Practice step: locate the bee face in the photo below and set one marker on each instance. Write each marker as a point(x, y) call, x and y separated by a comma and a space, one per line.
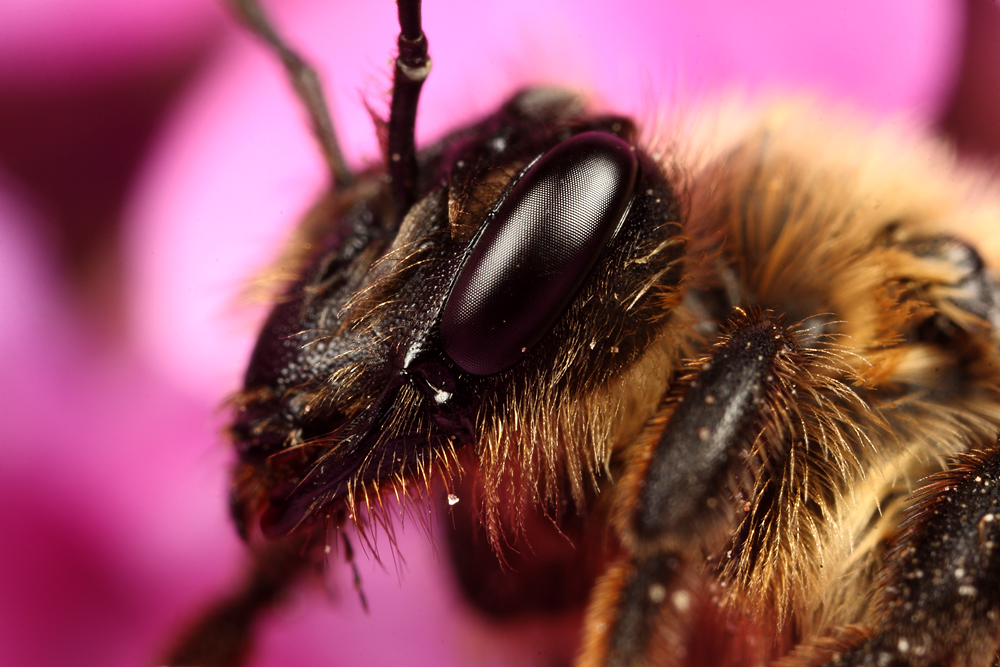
point(716, 366)
point(423, 335)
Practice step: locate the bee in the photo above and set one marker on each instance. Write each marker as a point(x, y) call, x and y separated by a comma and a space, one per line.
point(747, 370)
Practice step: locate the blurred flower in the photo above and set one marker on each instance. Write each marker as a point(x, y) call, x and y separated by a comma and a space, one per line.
point(113, 472)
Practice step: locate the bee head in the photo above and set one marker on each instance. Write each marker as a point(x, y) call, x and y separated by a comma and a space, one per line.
point(529, 274)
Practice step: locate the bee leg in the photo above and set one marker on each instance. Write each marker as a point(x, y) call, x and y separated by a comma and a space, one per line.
point(222, 636)
point(306, 83)
point(939, 598)
point(676, 499)
point(952, 276)
point(545, 568)
point(640, 610)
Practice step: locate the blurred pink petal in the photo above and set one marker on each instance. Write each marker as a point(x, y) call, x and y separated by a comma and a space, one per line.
point(975, 106)
point(57, 42)
point(114, 520)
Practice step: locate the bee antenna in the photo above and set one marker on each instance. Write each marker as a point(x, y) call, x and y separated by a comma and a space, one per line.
point(306, 82)
point(412, 68)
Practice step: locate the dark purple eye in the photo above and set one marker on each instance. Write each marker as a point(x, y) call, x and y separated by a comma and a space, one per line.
point(535, 251)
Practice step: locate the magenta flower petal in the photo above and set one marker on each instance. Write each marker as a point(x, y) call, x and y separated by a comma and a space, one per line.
point(114, 523)
point(58, 42)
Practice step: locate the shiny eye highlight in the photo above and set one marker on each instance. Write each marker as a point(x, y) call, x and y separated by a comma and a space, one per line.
point(535, 250)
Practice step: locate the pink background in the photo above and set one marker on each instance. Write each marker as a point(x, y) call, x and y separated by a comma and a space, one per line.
point(112, 368)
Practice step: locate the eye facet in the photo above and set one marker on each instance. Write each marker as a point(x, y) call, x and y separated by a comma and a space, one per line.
point(536, 248)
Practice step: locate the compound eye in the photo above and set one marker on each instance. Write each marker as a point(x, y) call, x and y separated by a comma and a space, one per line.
point(535, 250)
